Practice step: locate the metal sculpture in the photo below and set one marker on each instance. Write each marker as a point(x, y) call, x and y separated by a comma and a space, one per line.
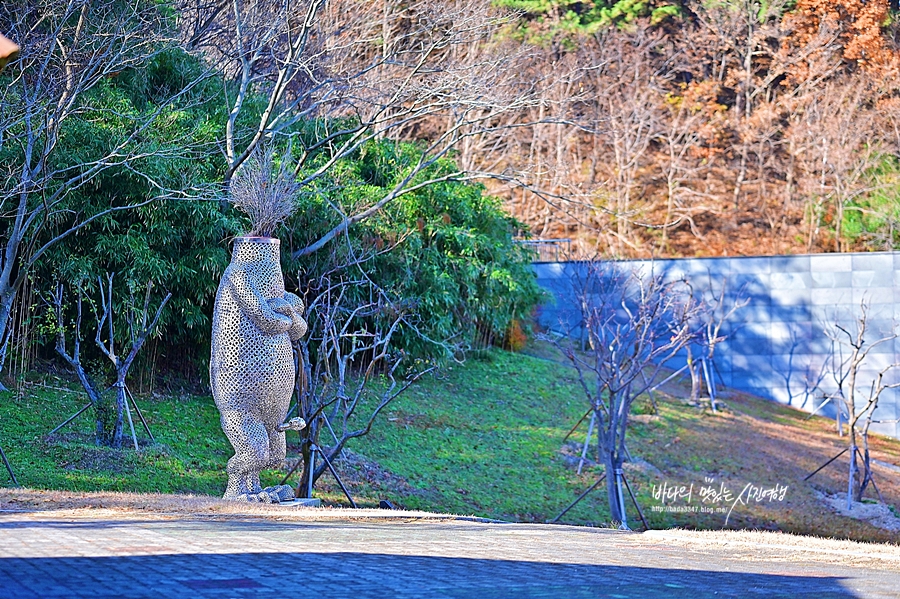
point(252, 368)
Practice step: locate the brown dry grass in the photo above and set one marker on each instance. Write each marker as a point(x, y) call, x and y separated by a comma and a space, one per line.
point(753, 441)
point(770, 546)
point(158, 505)
point(38, 505)
point(761, 442)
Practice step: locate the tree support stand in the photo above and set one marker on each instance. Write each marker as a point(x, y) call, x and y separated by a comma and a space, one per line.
point(9, 469)
point(128, 412)
point(621, 475)
point(710, 385)
point(70, 418)
point(580, 497)
point(313, 449)
point(636, 504)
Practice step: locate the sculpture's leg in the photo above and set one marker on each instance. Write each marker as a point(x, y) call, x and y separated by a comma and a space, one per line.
point(277, 449)
point(277, 453)
point(275, 410)
point(250, 440)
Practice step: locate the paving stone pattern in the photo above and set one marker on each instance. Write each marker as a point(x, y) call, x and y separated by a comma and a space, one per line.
point(777, 347)
point(51, 556)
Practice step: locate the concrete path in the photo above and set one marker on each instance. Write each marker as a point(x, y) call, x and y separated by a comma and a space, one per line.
point(105, 554)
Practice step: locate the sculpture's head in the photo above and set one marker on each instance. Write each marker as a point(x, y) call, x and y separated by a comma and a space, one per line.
point(256, 249)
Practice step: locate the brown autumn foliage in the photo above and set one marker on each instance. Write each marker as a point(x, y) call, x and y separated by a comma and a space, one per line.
point(741, 127)
point(857, 24)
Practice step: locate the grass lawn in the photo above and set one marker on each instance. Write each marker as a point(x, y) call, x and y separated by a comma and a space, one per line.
point(483, 438)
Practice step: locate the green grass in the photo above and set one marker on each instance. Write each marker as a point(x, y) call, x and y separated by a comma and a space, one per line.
point(483, 438)
point(189, 455)
point(480, 438)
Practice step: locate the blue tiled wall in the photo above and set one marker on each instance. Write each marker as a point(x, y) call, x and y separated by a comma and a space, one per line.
point(777, 346)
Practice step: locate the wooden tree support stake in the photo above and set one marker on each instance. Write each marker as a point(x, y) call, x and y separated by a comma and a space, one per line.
point(816, 471)
point(9, 469)
point(580, 497)
point(71, 418)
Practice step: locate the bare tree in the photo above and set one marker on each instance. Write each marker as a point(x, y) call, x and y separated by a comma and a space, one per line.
point(630, 88)
point(68, 48)
point(109, 428)
point(334, 77)
point(755, 26)
point(73, 359)
point(813, 374)
point(634, 322)
point(349, 371)
point(678, 139)
point(852, 347)
point(835, 148)
point(140, 325)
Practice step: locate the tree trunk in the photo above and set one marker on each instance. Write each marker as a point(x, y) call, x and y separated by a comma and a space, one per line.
point(612, 463)
point(108, 413)
point(853, 489)
point(7, 297)
point(866, 475)
point(306, 441)
point(104, 414)
point(613, 490)
point(121, 406)
point(302, 490)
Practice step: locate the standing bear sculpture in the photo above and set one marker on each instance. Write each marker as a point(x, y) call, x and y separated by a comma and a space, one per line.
point(251, 369)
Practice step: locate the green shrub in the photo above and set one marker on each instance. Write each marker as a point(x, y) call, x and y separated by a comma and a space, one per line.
point(444, 252)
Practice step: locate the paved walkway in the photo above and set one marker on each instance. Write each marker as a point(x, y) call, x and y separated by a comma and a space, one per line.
point(105, 554)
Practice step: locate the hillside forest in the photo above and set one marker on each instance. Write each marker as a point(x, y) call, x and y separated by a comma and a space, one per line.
point(706, 128)
point(421, 139)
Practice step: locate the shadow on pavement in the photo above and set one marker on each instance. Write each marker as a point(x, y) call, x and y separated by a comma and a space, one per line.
point(181, 524)
point(364, 576)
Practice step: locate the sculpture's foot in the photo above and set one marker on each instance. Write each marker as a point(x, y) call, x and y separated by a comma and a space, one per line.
point(261, 497)
point(275, 494)
point(294, 424)
point(282, 492)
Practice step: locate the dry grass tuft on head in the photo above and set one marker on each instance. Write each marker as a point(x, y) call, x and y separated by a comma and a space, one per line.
point(265, 192)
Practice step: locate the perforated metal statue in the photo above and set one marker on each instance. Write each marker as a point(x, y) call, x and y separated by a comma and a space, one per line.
point(252, 366)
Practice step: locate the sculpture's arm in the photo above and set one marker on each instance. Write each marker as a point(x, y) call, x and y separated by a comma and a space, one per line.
point(298, 325)
point(254, 305)
point(295, 302)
